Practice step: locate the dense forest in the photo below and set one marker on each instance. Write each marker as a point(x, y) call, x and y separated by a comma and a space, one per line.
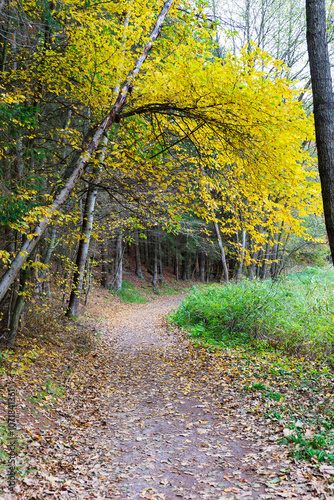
point(203, 162)
point(166, 249)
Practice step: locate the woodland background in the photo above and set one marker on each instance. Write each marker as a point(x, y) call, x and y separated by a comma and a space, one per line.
point(145, 148)
point(202, 174)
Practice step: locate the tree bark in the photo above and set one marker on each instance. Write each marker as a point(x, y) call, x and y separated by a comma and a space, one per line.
point(177, 266)
point(47, 258)
point(254, 265)
point(117, 285)
point(276, 265)
point(139, 272)
point(184, 265)
point(222, 251)
point(105, 274)
point(202, 266)
point(147, 259)
point(323, 106)
point(264, 270)
point(155, 259)
point(86, 232)
point(91, 144)
point(243, 248)
point(18, 308)
point(160, 257)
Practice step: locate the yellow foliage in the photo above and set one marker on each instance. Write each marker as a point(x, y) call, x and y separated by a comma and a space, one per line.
point(199, 133)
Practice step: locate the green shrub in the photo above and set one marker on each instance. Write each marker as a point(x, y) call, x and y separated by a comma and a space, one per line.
point(295, 313)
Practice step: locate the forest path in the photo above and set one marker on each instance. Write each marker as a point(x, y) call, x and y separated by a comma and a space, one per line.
point(165, 434)
point(152, 417)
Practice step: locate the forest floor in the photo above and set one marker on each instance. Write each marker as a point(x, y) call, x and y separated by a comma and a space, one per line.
point(142, 412)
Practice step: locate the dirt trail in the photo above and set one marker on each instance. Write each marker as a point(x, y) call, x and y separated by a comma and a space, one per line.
point(164, 434)
point(160, 430)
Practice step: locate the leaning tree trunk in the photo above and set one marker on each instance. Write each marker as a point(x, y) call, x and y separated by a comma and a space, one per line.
point(86, 232)
point(92, 142)
point(323, 106)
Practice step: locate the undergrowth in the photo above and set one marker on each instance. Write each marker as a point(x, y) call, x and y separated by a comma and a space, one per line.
point(280, 338)
point(295, 314)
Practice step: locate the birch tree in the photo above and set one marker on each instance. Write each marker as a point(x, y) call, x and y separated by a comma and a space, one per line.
point(94, 138)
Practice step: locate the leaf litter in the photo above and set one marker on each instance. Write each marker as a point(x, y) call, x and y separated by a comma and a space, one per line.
point(144, 412)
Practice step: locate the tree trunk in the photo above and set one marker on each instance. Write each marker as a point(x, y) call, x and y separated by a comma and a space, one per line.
point(243, 248)
point(117, 285)
point(47, 258)
point(266, 262)
point(184, 265)
point(202, 266)
point(88, 280)
point(275, 268)
point(105, 278)
point(155, 260)
point(323, 106)
point(86, 231)
point(160, 257)
point(177, 266)
point(253, 266)
point(18, 308)
point(147, 259)
point(113, 259)
point(207, 265)
point(222, 251)
point(90, 145)
point(138, 259)
point(259, 260)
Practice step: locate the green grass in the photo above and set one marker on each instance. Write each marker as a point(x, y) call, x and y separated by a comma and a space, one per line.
point(51, 390)
point(20, 445)
point(320, 445)
point(295, 314)
point(129, 294)
point(3, 442)
point(276, 341)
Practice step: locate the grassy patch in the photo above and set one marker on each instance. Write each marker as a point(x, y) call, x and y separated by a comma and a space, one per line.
point(295, 314)
point(3, 444)
point(20, 444)
point(51, 391)
point(308, 444)
point(274, 342)
point(129, 294)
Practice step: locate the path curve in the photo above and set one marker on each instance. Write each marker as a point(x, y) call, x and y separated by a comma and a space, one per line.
point(160, 430)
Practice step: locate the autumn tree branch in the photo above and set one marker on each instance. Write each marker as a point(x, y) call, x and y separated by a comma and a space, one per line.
point(87, 154)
